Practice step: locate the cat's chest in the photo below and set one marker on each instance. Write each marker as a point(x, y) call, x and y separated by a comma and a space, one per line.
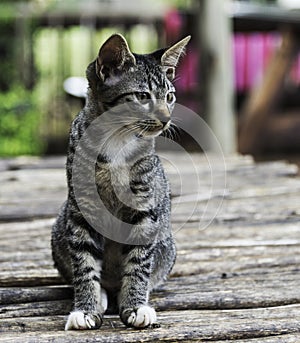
point(111, 177)
point(117, 150)
point(124, 184)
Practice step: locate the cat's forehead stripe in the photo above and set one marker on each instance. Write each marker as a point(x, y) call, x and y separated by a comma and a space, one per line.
point(155, 81)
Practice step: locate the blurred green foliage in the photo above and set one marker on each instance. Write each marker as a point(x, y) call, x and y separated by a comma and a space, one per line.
point(19, 123)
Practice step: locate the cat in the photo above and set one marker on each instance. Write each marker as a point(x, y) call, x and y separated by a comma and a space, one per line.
point(133, 97)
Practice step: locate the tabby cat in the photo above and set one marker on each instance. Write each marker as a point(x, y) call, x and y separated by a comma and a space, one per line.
point(108, 273)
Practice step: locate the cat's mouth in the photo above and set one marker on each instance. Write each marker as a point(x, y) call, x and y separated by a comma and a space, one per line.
point(152, 130)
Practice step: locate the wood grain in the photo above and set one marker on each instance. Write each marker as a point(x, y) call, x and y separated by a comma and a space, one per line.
point(175, 326)
point(236, 278)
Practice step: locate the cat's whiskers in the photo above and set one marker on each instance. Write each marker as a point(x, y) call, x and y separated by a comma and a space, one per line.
point(118, 123)
point(142, 132)
point(176, 79)
point(175, 131)
point(126, 131)
point(172, 132)
point(176, 120)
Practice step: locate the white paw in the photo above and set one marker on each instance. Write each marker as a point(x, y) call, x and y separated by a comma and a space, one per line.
point(142, 317)
point(78, 320)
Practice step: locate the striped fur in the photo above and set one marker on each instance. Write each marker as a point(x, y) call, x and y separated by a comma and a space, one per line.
point(131, 183)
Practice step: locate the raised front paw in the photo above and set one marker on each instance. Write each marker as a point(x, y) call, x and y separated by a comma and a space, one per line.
point(79, 320)
point(139, 317)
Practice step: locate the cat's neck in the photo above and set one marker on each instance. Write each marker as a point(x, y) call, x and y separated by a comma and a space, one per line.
point(121, 151)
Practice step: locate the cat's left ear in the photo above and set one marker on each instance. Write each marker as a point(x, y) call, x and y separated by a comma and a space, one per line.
point(114, 57)
point(171, 56)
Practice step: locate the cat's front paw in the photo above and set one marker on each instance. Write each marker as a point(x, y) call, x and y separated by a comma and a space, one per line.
point(79, 320)
point(139, 317)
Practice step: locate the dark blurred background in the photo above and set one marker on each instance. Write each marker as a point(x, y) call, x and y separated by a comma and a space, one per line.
point(44, 43)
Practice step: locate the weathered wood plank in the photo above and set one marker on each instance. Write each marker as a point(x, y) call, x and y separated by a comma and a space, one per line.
point(236, 292)
point(260, 233)
point(30, 162)
point(211, 291)
point(235, 235)
point(234, 163)
point(175, 326)
point(37, 277)
point(204, 258)
point(15, 295)
point(285, 338)
point(34, 309)
point(213, 254)
point(22, 190)
point(199, 257)
point(11, 256)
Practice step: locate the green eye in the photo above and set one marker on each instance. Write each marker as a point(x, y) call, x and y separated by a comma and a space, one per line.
point(170, 97)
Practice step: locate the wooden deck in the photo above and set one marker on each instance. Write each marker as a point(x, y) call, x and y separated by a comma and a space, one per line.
point(235, 280)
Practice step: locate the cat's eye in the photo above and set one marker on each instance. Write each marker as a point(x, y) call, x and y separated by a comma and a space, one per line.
point(142, 96)
point(170, 98)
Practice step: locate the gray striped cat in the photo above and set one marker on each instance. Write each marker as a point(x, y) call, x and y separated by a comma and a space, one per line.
point(133, 96)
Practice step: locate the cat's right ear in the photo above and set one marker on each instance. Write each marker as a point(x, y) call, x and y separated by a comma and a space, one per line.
point(114, 57)
point(171, 56)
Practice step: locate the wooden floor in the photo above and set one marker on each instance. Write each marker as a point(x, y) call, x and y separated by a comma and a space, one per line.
point(237, 276)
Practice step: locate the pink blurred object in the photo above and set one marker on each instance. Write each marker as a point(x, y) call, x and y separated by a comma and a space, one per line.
point(173, 24)
point(188, 71)
point(251, 55)
point(188, 67)
point(239, 56)
point(255, 59)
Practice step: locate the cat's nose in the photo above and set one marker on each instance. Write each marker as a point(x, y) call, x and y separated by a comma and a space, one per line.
point(163, 115)
point(165, 123)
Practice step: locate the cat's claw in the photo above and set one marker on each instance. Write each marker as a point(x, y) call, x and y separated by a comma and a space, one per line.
point(79, 320)
point(140, 317)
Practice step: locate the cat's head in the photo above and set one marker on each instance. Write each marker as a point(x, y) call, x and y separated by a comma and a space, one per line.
point(142, 84)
